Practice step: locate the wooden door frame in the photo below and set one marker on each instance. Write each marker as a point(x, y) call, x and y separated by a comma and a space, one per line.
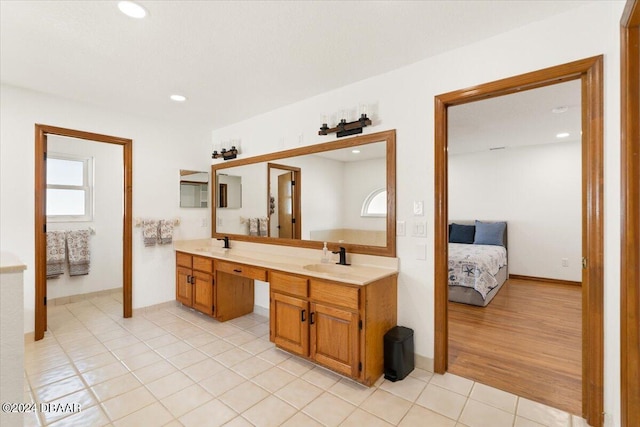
point(41, 132)
point(589, 71)
point(297, 191)
point(630, 215)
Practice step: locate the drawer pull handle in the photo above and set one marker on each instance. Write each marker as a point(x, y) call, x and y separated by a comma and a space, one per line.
point(193, 280)
point(237, 271)
point(311, 322)
point(189, 278)
point(302, 319)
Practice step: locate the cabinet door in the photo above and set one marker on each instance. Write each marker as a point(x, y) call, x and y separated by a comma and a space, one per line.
point(183, 286)
point(335, 338)
point(203, 292)
point(289, 327)
point(234, 296)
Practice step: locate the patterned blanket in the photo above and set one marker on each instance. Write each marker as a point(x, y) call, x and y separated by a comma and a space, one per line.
point(474, 266)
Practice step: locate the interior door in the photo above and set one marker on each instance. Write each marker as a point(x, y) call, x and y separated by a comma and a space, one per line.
point(285, 206)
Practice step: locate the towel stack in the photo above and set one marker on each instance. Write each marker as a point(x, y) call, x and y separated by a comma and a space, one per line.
point(56, 253)
point(79, 255)
point(154, 231)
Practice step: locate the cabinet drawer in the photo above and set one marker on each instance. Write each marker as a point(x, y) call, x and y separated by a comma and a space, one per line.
point(242, 270)
point(183, 259)
point(288, 284)
point(203, 264)
point(333, 293)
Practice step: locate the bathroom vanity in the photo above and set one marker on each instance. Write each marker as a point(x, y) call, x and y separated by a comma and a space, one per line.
point(331, 314)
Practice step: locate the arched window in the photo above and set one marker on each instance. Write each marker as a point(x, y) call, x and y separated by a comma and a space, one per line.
point(375, 204)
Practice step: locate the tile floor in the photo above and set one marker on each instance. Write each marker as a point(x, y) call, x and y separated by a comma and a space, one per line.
point(171, 366)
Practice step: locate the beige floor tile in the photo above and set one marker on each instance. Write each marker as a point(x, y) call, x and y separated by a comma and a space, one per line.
point(88, 351)
point(442, 401)
point(273, 379)
point(270, 412)
point(203, 369)
point(257, 346)
point(421, 374)
point(52, 375)
point(58, 389)
point(238, 422)
point(351, 391)
point(222, 382)
point(141, 360)
point(251, 367)
point(150, 333)
point(201, 339)
point(104, 373)
point(478, 414)
point(259, 330)
point(232, 357)
point(121, 342)
point(299, 393)
point(409, 388)
point(111, 334)
point(274, 355)
point(212, 414)
point(240, 338)
point(243, 396)
point(161, 341)
point(115, 386)
point(387, 406)
point(93, 416)
point(93, 362)
point(419, 416)
point(187, 358)
point(494, 397)
point(176, 348)
point(577, 421)
point(169, 384)
point(66, 406)
point(523, 422)
point(543, 414)
point(329, 409)
point(127, 403)
point(154, 371)
point(130, 350)
point(152, 415)
point(301, 420)
point(359, 418)
point(186, 400)
point(30, 419)
point(453, 383)
point(321, 377)
point(296, 366)
point(216, 347)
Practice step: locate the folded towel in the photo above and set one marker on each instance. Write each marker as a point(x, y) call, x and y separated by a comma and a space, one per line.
point(166, 231)
point(78, 252)
point(253, 226)
point(150, 232)
point(56, 253)
point(263, 226)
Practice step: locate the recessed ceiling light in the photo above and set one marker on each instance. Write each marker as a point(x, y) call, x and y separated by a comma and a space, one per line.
point(131, 9)
point(560, 110)
point(356, 151)
point(562, 135)
point(178, 98)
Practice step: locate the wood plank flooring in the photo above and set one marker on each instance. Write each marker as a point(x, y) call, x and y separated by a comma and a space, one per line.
point(527, 341)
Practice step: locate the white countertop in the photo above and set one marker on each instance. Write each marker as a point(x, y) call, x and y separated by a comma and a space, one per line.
point(307, 262)
point(10, 263)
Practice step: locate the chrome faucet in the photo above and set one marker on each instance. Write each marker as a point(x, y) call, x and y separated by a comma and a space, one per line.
point(226, 242)
point(343, 256)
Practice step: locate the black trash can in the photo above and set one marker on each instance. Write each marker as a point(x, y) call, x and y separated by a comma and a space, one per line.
point(398, 353)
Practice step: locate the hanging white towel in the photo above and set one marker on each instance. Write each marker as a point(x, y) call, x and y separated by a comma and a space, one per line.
point(150, 232)
point(166, 231)
point(253, 226)
point(263, 226)
point(78, 252)
point(56, 253)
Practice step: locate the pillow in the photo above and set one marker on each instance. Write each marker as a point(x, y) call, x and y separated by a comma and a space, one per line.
point(461, 233)
point(489, 233)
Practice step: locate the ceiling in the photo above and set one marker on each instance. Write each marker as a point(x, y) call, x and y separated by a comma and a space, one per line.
point(517, 120)
point(233, 59)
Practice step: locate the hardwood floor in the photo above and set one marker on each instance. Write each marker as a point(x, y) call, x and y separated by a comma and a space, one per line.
point(527, 341)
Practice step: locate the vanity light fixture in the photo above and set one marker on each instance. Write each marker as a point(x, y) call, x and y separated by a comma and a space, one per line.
point(132, 9)
point(232, 153)
point(344, 128)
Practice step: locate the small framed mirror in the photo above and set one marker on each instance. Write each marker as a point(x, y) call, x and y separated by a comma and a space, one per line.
point(194, 189)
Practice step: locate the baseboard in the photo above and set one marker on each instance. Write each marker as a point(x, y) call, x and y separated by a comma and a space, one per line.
point(29, 337)
point(423, 362)
point(545, 280)
point(262, 311)
point(80, 297)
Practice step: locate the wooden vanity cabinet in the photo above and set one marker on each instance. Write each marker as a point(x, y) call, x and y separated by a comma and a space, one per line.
point(194, 282)
point(338, 325)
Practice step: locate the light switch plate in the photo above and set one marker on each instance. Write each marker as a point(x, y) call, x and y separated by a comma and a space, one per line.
point(419, 229)
point(400, 228)
point(418, 207)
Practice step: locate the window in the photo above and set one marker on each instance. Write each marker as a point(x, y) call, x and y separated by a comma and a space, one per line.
point(69, 188)
point(375, 205)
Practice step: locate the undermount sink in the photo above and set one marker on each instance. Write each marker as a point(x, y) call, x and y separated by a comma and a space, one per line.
point(212, 250)
point(329, 268)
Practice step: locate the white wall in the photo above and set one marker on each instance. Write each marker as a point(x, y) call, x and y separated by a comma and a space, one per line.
point(538, 191)
point(160, 150)
point(403, 99)
point(361, 178)
point(106, 244)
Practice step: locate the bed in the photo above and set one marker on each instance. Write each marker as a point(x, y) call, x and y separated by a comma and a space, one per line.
point(477, 261)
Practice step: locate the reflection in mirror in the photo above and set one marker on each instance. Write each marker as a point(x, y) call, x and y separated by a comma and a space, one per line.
point(229, 193)
point(194, 189)
point(315, 194)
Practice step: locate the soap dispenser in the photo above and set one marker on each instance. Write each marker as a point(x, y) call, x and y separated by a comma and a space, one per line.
point(325, 254)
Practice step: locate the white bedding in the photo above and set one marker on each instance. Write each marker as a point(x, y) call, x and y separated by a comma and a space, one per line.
point(474, 266)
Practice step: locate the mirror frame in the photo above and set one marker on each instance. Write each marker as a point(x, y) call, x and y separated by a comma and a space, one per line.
point(386, 136)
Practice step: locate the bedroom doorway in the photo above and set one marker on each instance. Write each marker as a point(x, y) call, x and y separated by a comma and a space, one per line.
point(42, 132)
point(589, 73)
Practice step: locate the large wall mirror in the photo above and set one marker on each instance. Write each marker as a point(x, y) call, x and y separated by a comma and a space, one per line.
point(310, 195)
